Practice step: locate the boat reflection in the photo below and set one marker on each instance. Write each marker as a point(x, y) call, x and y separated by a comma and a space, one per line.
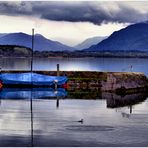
point(33, 93)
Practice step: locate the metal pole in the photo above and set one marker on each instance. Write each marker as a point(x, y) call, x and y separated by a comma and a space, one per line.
point(32, 50)
point(31, 102)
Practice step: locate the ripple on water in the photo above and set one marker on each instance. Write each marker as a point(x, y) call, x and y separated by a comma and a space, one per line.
point(89, 128)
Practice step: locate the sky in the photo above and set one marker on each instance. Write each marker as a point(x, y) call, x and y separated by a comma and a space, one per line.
point(70, 22)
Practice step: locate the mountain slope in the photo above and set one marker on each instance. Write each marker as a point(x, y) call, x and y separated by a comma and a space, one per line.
point(89, 42)
point(131, 38)
point(40, 43)
point(2, 34)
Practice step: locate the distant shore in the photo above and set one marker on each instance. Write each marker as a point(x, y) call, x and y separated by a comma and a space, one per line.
point(21, 51)
point(81, 54)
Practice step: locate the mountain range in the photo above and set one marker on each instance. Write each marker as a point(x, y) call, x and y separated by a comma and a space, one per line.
point(132, 38)
point(40, 42)
point(89, 42)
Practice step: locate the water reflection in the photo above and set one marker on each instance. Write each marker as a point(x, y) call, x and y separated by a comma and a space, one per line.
point(33, 93)
point(15, 63)
point(119, 102)
point(80, 93)
point(48, 117)
point(112, 100)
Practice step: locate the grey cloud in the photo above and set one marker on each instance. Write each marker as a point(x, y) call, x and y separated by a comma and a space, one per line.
point(94, 12)
point(15, 8)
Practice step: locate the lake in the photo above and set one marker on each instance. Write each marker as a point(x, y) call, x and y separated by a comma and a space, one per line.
point(80, 64)
point(48, 117)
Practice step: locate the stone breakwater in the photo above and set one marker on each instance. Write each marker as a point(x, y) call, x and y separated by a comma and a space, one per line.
point(130, 82)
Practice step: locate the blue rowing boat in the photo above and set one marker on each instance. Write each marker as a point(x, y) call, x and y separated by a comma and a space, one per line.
point(30, 78)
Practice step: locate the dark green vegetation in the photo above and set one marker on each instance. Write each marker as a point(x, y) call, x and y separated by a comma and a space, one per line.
point(17, 51)
point(14, 50)
point(81, 54)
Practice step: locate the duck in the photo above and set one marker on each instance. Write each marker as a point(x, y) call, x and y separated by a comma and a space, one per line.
point(81, 121)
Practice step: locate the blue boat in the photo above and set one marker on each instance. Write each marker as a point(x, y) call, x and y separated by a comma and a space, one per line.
point(35, 93)
point(30, 78)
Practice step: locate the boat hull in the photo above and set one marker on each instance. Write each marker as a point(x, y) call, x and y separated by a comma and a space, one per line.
point(31, 79)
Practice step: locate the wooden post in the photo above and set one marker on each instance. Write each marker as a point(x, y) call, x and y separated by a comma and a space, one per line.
point(58, 74)
point(58, 70)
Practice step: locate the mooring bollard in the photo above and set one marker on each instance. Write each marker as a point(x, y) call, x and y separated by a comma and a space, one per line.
point(56, 84)
point(58, 69)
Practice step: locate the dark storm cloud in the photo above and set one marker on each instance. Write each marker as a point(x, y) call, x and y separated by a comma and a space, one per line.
point(94, 12)
point(14, 8)
point(75, 13)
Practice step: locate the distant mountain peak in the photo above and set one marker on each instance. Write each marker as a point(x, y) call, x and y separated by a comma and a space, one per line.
point(20, 33)
point(131, 38)
point(89, 42)
point(37, 34)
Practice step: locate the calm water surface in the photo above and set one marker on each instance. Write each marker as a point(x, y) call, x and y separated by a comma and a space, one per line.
point(50, 118)
point(81, 64)
point(47, 117)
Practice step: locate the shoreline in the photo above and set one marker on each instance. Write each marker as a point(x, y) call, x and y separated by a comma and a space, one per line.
point(80, 54)
point(120, 57)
